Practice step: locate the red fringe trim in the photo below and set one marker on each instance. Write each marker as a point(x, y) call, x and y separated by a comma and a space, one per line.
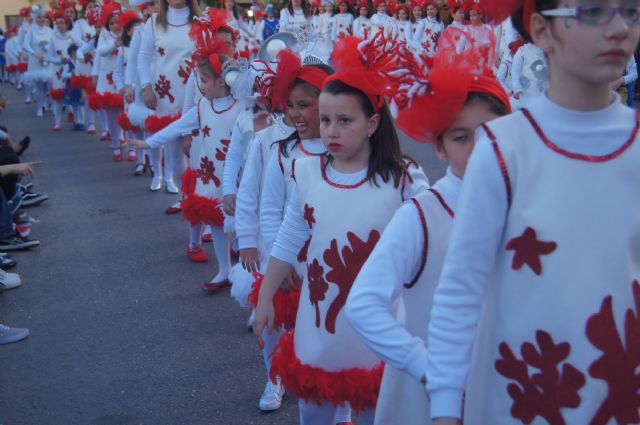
point(105, 100)
point(56, 94)
point(155, 123)
point(199, 209)
point(360, 387)
point(84, 82)
point(285, 304)
point(22, 67)
point(125, 124)
point(189, 178)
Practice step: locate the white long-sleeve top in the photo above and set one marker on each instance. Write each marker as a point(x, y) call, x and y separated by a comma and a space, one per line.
point(476, 237)
point(26, 45)
point(185, 124)
point(250, 190)
point(294, 231)
point(241, 135)
point(359, 26)
point(631, 73)
point(22, 34)
point(190, 92)
point(343, 23)
point(175, 17)
point(106, 43)
point(274, 195)
point(82, 32)
point(53, 56)
point(293, 22)
point(395, 260)
point(119, 69)
point(131, 71)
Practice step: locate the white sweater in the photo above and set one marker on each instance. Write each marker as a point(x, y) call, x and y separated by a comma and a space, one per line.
point(476, 235)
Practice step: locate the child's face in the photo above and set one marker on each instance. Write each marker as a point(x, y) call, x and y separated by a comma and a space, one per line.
point(61, 25)
point(114, 27)
point(432, 12)
point(402, 15)
point(459, 15)
point(41, 20)
point(382, 7)
point(458, 140)
point(89, 8)
point(210, 85)
point(417, 12)
point(327, 8)
point(343, 7)
point(344, 127)
point(70, 13)
point(302, 112)
point(475, 17)
point(590, 54)
point(364, 11)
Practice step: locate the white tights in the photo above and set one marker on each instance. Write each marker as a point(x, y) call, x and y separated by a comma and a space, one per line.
point(195, 233)
point(40, 94)
point(328, 414)
point(57, 112)
point(174, 162)
point(221, 249)
point(114, 128)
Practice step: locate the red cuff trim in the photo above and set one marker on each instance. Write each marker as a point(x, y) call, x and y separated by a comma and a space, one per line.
point(359, 387)
point(285, 304)
point(198, 209)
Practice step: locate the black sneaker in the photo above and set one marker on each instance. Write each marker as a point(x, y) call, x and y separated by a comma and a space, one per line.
point(24, 144)
point(7, 263)
point(17, 243)
point(32, 199)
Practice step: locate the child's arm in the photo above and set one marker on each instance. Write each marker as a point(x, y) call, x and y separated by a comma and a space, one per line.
point(183, 125)
point(118, 71)
point(105, 46)
point(415, 182)
point(394, 261)
point(240, 137)
point(272, 202)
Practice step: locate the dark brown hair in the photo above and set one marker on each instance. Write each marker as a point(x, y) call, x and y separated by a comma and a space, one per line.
point(303, 5)
point(194, 10)
point(518, 19)
point(126, 38)
point(386, 160)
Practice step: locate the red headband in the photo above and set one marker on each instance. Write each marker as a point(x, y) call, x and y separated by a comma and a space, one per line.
point(289, 69)
point(489, 85)
point(313, 75)
point(357, 80)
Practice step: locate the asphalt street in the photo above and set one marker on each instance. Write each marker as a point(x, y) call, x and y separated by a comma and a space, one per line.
point(121, 333)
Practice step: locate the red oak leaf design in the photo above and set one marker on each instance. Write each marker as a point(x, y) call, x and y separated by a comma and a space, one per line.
point(88, 58)
point(185, 70)
point(161, 51)
point(221, 154)
point(302, 255)
point(528, 250)
point(308, 215)
point(206, 131)
point(544, 393)
point(163, 88)
point(344, 270)
point(318, 287)
point(619, 364)
point(207, 172)
point(110, 78)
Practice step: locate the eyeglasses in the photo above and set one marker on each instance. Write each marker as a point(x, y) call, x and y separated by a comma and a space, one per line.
point(597, 15)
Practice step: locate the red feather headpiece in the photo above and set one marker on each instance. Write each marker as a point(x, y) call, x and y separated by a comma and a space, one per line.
point(127, 17)
point(66, 4)
point(429, 98)
point(422, 4)
point(25, 11)
point(212, 20)
point(363, 3)
point(210, 47)
point(109, 9)
point(497, 11)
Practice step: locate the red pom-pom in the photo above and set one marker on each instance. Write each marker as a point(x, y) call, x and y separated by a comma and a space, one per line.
point(359, 387)
point(105, 100)
point(10, 68)
point(125, 124)
point(22, 67)
point(127, 17)
point(84, 82)
point(199, 209)
point(56, 94)
point(211, 20)
point(155, 123)
point(189, 179)
point(285, 304)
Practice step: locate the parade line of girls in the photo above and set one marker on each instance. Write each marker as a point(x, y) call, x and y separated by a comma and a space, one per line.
point(507, 292)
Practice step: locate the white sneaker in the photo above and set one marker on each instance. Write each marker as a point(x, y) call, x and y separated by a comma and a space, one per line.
point(9, 280)
point(170, 186)
point(271, 398)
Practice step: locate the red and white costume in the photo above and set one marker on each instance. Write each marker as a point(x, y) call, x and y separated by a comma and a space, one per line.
point(83, 34)
point(428, 34)
point(343, 25)
point(545, 293)
point(57, 53)
point(323, 360)
point(361, 27)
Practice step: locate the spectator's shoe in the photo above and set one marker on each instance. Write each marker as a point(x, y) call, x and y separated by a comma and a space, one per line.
point(133, 156)
point(271, 398)
point(7, 263)
point(23, 230)
point(9, 335)
point(91, 129)
point(197, 254)
point(24, 144)
point(17, 243)
point(9, 280)
point(140, 169)
point(28, 187)
point(117, 157)
point(173, 209)
point(39, 113)
point(32, 199)
point(212, 287)
point(56, 127)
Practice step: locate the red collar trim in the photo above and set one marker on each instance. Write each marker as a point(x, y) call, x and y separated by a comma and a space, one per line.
point(323, 168)
point(224, 110)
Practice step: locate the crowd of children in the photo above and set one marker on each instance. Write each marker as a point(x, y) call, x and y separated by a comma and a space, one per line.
point(506, 292)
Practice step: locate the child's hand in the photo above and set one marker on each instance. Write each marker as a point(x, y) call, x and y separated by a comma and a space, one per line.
point(150, 100)
point(250, 260)
point(24, 169)
point(138, 144)
point(229, 205)
point(129, 95)
point(292, 282)
point(264, 317)
point(186, 145)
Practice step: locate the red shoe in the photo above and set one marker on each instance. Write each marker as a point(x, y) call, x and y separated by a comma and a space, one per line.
point(23, 230)
point(56, 128)
point(117, 157)
point(207, 237)
point(104, 137)
point(173, 210)
point(70, 117)
point(91, 129)
point(216, 286)
point(197, 255)
point(133, 156)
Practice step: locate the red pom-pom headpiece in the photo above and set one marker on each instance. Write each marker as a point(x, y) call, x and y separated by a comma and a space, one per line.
point(290, 69)
point(212, 20)
point(209, 47)
point(25, 11)
point(376, 3)
point(65, 4)
point(127, 17)
point(361, 64)
point(363, 3)
point(429, 98)
point(109, 9)
point(422, 4)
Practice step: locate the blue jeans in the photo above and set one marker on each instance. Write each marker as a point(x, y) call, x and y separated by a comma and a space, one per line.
point(630, 88)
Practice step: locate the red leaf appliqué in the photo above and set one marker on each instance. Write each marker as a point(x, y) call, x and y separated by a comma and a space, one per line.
point(308, 215)
point(302, 255)
point(545, 393)
point(161, 51)
point(619, 364)
point(110, 78)
point(344, 270)
point(185, 70)
point(207, 172)
point(528, 250)
point(163, 88)
point(318, 287)
point(221, 154)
